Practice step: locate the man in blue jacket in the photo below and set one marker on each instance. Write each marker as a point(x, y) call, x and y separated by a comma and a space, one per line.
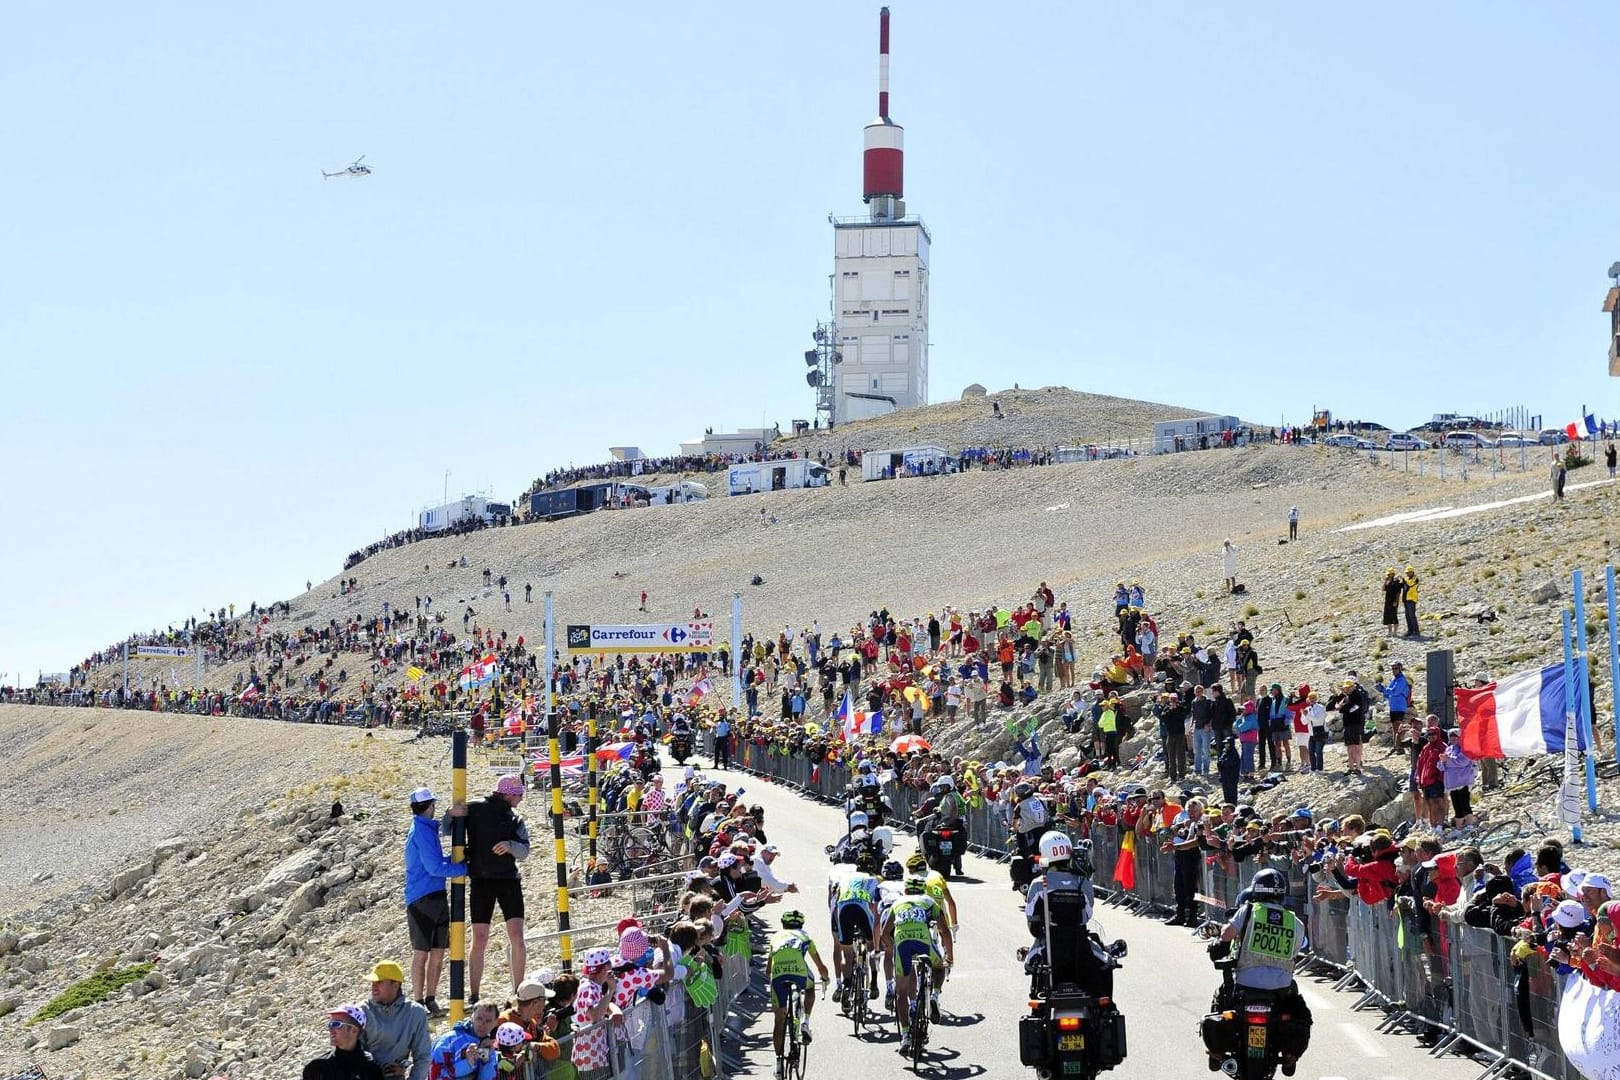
point(1398, 692)
point(427, 908)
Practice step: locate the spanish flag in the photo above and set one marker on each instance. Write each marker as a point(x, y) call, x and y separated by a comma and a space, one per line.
point(1125, 866)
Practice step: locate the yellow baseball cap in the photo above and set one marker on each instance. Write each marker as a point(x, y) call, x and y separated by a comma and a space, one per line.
point(386, 971)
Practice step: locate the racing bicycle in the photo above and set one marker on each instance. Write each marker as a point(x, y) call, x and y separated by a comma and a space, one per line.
point(920, 1001)
point(795, 1048)
point(858, 976)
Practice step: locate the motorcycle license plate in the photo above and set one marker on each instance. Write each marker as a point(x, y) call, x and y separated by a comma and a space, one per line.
point(1071, 1042)
point(945, 847)
point(1257, 1036)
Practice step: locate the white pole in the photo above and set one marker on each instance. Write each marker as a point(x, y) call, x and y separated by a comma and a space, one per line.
point(126, 667)
point(736, 651)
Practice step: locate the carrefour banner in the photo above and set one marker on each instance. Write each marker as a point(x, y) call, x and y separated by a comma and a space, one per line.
point(162, 650)
point(646, 638)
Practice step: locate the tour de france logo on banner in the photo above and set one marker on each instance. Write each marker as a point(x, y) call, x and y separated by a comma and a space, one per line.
point(579, 637)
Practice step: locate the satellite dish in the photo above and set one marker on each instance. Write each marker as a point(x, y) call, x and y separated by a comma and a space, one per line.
point(820, 336)
point(838, 358)
point(813, 378)
point(810, 357)
point(1614, 271)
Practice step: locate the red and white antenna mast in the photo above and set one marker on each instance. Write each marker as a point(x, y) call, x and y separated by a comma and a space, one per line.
point(884, 171)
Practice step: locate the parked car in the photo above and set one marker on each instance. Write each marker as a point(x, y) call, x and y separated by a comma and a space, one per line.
point(1467, 440)
point(1553, 436)
point(1514, 439)
point(1408, 442)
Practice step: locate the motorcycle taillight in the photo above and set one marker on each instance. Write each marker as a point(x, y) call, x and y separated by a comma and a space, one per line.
point(1257, 1018)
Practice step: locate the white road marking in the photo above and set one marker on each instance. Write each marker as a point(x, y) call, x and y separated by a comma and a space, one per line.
point(1367, 1044)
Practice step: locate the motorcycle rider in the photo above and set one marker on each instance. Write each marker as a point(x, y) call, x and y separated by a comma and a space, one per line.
point(1269, 937)
point(857, 841)
point(866, 795)
point(948, 810)
point(1078, 959)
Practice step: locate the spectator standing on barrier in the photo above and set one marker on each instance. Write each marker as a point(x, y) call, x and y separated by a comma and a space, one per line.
point(347, 1060)
point(497, 840)
point(427, 908)
point(396, 1031)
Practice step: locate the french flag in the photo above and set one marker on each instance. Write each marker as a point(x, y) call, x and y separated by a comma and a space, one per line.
point(1519, 716)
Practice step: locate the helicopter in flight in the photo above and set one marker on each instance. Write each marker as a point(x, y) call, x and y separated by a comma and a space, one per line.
point(354, 169)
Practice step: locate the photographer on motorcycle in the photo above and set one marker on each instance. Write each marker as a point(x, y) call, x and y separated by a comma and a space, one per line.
point(1079, 960)
point(1268, 939)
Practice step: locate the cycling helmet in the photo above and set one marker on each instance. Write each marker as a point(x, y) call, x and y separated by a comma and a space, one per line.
point(1268, 885)
point(793, 920)
point(917, 863)
point(510, 1035)
point(1056, 848)
point(857, 820)
point(893, 871)
point(915, 886)
point(1023, 789)
point(1080, 859)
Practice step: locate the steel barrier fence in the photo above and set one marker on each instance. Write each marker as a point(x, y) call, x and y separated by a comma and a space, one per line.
point(1458, 982)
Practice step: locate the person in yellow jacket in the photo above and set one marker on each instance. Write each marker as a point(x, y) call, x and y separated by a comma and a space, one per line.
point(1108, 728)
point(1409, 599)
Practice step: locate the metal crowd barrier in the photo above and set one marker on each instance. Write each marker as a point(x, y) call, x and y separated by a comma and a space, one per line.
point(1458, 981)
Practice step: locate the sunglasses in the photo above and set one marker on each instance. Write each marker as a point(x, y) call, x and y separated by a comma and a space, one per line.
point(334, 1025)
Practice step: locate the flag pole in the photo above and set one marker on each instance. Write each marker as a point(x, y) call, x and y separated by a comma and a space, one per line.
point(1574, 820)
point(1583, 703)
point(1614, 661)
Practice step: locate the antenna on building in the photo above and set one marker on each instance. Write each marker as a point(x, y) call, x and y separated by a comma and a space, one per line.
point(884, 162)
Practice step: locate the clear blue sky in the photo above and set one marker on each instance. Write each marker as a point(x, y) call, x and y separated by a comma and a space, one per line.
point(603, 224)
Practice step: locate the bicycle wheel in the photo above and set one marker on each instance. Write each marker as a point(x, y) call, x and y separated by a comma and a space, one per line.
point(919, 1015)
point(798, 1049)
point(640, 849)
point(855, 992)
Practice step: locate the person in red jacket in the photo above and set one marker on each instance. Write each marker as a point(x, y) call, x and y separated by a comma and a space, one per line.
point(1430, 779)
point(1377, 878)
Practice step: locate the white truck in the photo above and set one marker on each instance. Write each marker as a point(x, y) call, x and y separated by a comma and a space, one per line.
point(683, 492)
point(756, 476)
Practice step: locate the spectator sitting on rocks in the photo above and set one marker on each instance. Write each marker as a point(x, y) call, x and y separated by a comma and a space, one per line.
point(346, 1061)
point(396, 1029)
point(467, 1050)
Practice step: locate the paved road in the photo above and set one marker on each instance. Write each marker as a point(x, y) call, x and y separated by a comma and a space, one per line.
point(1163, 990)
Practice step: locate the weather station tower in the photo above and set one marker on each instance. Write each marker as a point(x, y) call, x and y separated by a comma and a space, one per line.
point(880, 280)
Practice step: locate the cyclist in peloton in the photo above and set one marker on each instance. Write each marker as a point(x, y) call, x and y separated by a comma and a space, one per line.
point(890, 890)
point(935, 884)
point(852, 896)
point(786, 968)
point(908, 932)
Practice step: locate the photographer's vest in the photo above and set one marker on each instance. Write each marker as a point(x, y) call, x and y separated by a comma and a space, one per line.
point(1270, 935)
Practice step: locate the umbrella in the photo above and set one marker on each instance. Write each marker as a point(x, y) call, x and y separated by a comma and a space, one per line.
point(914, 693)
point(906, 744)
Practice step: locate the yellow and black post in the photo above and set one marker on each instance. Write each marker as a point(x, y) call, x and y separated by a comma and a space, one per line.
point(458, 886)
point(558, 825)
point(591, 767)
